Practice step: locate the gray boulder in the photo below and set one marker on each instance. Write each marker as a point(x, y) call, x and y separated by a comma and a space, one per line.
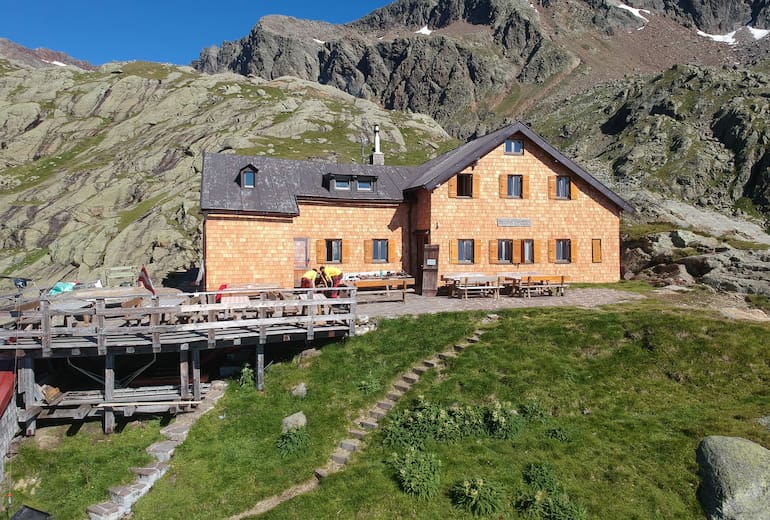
point(296, 420)
point(735, 476)
point(299, 391)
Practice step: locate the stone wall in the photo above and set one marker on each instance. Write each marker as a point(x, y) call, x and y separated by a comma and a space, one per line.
point(586, 217)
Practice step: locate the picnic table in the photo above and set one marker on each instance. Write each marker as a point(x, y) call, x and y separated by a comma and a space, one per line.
point(461, 285)
point(539, 285)
point(383, 288)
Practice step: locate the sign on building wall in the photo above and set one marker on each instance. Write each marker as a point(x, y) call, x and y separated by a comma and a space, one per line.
point(514, 222)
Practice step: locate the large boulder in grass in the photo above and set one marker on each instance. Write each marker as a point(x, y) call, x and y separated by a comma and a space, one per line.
point(735, 476)
point(297, 420)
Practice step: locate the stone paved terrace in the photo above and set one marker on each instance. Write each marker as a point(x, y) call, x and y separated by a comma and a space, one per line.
point(416, 304)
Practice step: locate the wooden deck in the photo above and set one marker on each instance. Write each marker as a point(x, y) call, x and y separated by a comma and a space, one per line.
point(110, 326)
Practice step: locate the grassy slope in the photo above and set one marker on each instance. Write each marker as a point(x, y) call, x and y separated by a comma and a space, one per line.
point(653, 382)
point(633, 388)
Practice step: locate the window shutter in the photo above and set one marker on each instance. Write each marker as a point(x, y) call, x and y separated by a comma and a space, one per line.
point(476, 189)
point(573, 191)
point(572, 251)
point(493, 252)
point(453, 251)
point(453, 187)
point(345, 252)
point(596, 250)
point(525, 186)
point(320, 251)
point(368, 251)
point(536, 251)
point(551, 187)
point(477, 251)
point(518, 245)
point(552, 251)
point(503, 186)
point(392, 251)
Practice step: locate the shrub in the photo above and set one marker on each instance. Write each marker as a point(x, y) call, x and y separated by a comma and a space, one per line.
point(293, 441)
point(558, 433)
point(478, 496)
point(370, 385)
point(543, 497)
point(502, 421)
point(417, 473)
point(533, 411)
point(247, 379)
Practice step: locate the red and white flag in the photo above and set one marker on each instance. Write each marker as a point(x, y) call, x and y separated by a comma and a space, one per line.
point(144, 280)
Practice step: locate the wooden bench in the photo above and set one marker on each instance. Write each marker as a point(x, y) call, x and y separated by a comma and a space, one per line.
point(539, 285)
point(478, 285)
point(383, 289)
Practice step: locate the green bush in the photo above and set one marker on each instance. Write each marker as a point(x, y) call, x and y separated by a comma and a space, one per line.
point(478, 496)
point(533, 411)
point(543, 497)
point(502, 421)
point(293, 441)
point(247, 379)
point(417, 472)
point(558, 433)
point(370, 385)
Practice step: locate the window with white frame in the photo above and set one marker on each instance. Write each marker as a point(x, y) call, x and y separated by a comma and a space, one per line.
point(562, 187)
point(563, 250)
point(333, 250)
point(248, 178)
point(514, 186)
point(514, 146)
point(379, 250)
point(528, 251)
point(341, 183)
point(465, 251)
point(364, 184)
point(504, 251)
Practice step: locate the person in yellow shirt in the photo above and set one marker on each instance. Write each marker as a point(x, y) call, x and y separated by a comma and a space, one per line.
point(332, 276)
point(309, 278)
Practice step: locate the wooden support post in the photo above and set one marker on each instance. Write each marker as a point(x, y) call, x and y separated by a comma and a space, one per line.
point(184, 374)
point(262, 316)
point(260, 367)
point(154, 322)
point(101, 337)
point(196, 370)
point(311, 310)
point(212, 317)
point(27, 390)
point(45, 324)
point(109, 388)
point(352, 312)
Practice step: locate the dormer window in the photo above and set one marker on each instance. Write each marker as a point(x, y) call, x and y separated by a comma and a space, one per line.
point(514, 147)
point(341, 183)
point(364, 184)
point(248, 178)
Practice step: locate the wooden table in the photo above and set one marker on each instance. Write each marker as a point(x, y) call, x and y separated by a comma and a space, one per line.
point(385, 288)
point(461, 286)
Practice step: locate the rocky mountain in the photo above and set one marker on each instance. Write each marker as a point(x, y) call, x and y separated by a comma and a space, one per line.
point(101, 168)
point(39, 58)
point(473, 63)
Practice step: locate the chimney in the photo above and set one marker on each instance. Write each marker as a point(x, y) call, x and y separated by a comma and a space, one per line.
point(378, 157)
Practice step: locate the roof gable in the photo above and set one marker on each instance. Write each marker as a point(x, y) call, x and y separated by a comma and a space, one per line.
point(439, 170)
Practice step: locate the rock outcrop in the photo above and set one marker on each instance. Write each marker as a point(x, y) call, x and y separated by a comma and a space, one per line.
point(102, 168)
point(735, 476)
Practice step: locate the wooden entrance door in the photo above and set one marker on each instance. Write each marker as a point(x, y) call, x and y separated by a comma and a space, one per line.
point(301, 258)
point(430, 270)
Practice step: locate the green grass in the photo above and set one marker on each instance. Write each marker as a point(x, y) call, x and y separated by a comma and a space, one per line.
point(635, 230)
point(631, 391)
point(148, 70)
point(227, 465)
point(746, 245)
point(78, 471)
point(617, 400)
point(758, 301)
point(30, 258)
point(130, 216)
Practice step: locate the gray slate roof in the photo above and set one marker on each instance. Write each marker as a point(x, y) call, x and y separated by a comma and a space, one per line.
point(280, 182)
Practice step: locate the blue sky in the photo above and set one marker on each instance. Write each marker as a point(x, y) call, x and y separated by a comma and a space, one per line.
point(162, 30)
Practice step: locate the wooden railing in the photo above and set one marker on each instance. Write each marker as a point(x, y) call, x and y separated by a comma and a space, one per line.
point(152, 317)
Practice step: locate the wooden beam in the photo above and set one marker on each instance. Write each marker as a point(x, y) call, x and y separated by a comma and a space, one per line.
point(196, 370)
point(109, 388)
point(184, 374)
point(27, 389)
point(260, 367)
point(101, 338)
